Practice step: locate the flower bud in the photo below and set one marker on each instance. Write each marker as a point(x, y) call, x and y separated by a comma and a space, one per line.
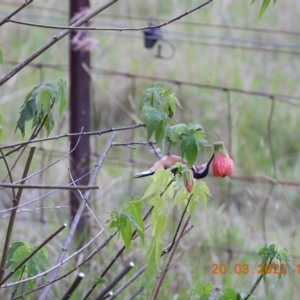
point(222, 163)
point(188, 179)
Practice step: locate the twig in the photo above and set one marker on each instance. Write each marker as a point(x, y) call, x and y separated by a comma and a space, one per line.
point(112, 29)
point(16, 289)
point(6, 19)
point(50, 165)
point(61, 263)
point(214, 294)
point(49, 187)
point(137, 293)
point(98, 132)
point(164, 273)
point(54, 40)
point(33, 253)
point(254, 287)
point(142, 270)
point(115, 281)
point(13, 216)
point(78, 214)
point(100, 247)
point(42, 197)
point(134, 233)
point(133, 143)
point(73, 287)
point(179, 224)
point(9, 174)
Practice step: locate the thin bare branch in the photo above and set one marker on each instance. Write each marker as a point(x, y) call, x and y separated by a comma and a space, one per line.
point(98, 132)
point(33, 253)
point(54, 40)
point(78, 214)
point(167, 267)
point(115, 281)
point(73, 287)
point(9, 174)
point(7, 19)
point(13, 216)
point(57, 266)
point(90, 256)
point(49, 187)
point(214, 294)
point(142, 270)
point(109, 28)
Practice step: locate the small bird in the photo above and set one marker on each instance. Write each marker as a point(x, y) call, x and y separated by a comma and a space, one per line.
point(166, 162)
point(169, 160)
point(201, 171)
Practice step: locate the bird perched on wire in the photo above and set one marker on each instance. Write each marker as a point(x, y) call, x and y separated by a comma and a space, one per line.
point(169, 160)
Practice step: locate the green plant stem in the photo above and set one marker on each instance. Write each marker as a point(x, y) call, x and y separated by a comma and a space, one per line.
point(142, 270)
point(13, 216)
point(179, 224)
point(123, 248)
point(213, 136)
point(254, 286)
point(164, 273)
point(33, 253)
point(256, 283)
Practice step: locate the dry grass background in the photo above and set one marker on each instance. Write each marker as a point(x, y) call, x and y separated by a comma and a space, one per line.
point(233, 218)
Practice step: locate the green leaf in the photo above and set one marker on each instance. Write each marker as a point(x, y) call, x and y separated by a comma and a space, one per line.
point(252, 2)
point(190, 146)
point(229, 294)
point(154, 252)
point(202, 291)
point(154, 115)
point(62, 96)
point(135, 209)
point(263, 8)
point(44, 99)
point(27, 114)
point(170, 102)
point(12, 249)
point(160, 135)
point(200, 190)
point(99, 280)
point(126, 232)
point(49, 123)
point(162, 178)
point(160, 224)
point(175, 132)
point(150, 191)
point(151, 95)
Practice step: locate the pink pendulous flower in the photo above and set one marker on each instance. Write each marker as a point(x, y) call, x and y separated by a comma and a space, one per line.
point(222, 164)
